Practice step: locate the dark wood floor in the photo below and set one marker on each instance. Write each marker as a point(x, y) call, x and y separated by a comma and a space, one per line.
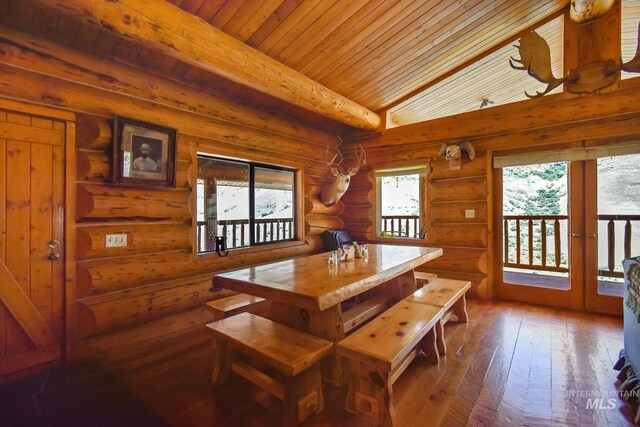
point(511, 365)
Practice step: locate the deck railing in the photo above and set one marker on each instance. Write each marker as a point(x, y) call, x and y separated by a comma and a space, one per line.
point(401, 225)
point(237, 232)
point(535, 242)
point(609, 221)
point(532, 236)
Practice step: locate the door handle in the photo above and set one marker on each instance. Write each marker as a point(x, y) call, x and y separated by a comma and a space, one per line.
point(54, 256)
point(53, 244)
point(576, 234)
point(591, 235)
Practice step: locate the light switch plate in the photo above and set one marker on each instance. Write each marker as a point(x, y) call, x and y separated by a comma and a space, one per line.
point(470, 213)
point(115, 240)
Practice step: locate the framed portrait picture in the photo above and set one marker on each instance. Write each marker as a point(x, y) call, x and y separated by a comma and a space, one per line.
point(143, 153)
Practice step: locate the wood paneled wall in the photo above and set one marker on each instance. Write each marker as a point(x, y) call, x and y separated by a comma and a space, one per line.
point(553, 122)
point(129, 294)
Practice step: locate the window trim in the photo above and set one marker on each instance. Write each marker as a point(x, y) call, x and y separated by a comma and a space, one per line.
point(298, 209)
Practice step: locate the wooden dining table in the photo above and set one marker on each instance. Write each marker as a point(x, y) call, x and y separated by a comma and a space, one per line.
point(307, 292)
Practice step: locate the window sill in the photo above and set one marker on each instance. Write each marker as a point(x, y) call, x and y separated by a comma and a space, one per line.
point(259, 248)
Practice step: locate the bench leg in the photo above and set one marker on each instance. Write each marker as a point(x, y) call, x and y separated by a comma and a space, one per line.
point(460, 309)
point(370, 391)
point(303, 396)
point(440, 341)
point(429, 346)
point(222, 359)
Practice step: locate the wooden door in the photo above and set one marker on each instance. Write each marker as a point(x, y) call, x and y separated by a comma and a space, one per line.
point(558, 281)
point(31, 243)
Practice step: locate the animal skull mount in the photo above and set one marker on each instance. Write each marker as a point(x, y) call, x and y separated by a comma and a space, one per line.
point(535, 59)
point(583, 11)
point(332, 191)
point(453, 153)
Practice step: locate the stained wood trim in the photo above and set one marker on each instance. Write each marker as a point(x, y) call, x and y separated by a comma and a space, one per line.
point(37, 110)
point(161, 26)
point(70, 241)
point(29, 359)
point(19, 132)
point(23, 310)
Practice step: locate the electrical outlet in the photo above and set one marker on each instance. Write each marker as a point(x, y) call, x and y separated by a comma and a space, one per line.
point(470, 213)
point(115, 240)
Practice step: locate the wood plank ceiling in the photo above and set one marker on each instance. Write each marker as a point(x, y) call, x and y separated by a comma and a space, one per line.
point(374, 52)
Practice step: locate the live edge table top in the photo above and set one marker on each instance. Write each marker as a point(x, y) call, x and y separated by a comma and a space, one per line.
point(309, 282)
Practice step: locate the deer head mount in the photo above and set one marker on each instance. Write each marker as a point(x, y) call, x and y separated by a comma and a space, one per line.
point(332, 191)
point(535, 59)
point(453, 153)
point(583, 11)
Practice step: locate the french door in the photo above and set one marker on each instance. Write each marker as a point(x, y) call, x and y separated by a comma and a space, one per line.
point(537, 217)
point(561, 230)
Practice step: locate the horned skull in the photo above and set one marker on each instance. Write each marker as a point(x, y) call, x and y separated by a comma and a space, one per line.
point(453, 153)
point(583, 11)
point(332, 191)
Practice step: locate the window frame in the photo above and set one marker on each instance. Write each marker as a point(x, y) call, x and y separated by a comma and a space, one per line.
point(298, 212)
point(423, 173)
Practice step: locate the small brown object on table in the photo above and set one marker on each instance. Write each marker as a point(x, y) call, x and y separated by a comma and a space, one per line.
point(292, 354)
point(306, 293)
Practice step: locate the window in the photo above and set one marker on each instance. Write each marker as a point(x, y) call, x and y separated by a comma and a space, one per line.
point(400, 203)
point(248, 204)
point(488, 82)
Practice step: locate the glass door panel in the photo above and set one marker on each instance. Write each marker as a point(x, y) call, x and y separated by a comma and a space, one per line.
point(535, 226)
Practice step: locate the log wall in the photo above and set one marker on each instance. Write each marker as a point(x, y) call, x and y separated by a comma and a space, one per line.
point(135, 291)
point(553, 122)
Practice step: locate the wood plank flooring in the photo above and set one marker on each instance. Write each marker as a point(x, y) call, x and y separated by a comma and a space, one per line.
point(511, 365)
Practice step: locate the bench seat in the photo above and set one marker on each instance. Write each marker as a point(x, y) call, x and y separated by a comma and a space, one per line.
point(378, 353)
point(448, 294)
point(245, 342)
point(234, 304)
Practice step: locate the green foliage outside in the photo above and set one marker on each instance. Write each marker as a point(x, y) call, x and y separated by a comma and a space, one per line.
point(534, 191)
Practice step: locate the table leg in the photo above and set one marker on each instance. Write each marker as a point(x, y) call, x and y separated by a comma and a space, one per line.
point(401, 286)
point(327, 324)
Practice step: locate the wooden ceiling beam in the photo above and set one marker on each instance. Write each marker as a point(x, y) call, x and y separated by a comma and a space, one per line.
point(158, 25)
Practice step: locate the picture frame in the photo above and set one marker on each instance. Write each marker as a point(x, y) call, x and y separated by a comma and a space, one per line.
point(144, 154)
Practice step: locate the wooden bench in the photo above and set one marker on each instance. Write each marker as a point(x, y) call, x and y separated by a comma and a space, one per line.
point(364, 310)
point(377, 354)
point(245, 341)
point(234, 304)
point(422, 278)
point(450, 296)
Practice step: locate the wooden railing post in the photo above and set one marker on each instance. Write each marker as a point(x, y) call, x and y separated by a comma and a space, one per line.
point(543, 231)
point(611, 238)
point(627, 239)
point(556, 235)
point(506, 240)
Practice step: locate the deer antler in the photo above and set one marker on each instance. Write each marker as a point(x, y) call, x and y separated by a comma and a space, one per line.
point(361, 159)
point(535, 58)
point(633, 66)
point(335, 163)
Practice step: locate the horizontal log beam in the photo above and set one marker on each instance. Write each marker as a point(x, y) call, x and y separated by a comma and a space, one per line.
point(33, 53)
point(161, 26)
